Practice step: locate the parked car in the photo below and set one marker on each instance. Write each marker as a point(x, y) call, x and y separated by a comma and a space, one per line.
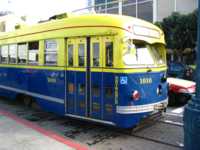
point(179, 70)
point(180, 90)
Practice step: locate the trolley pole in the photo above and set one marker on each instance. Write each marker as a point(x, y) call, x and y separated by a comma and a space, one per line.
point(192, 109)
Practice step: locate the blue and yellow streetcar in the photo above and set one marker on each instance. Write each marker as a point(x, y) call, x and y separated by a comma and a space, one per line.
point(105, 68)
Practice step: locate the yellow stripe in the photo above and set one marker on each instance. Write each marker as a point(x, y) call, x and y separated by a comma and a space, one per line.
point(113, 70)
point(32, 67)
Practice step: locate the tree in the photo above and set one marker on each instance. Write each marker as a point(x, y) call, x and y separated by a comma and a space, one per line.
point(180, 31)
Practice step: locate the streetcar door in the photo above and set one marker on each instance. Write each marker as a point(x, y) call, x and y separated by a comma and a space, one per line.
point(70, 96)
point(96, 76)
point(81, 84)
point(76, 77)
point(109, 82)
point(102, 79)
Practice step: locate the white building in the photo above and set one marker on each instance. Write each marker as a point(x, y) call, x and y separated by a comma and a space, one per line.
point(150, 10)
point(8, 22)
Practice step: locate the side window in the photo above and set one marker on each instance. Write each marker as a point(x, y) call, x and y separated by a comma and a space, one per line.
point(109, 54)
point(13, 53)
point(33, 48)
point(96, 51)
point(4, 54)
point(22, 53)
point(70, 55)
point(81, 55)
point(51, 48)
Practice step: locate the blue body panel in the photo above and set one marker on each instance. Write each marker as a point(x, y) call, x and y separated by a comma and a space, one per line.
point(51, 90)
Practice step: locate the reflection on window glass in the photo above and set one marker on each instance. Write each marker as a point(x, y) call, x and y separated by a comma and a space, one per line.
point(33, 48)
point(143, 54)
point(158, 53)
point(71, 88)
point(96, 54)
point(81, 55)
point(95, 90)
point(22, 53)
point(13, 53)
point(50, 52)
point(81, 88)
point(70, 55)
point(4, 54)
point(138, 54)
point(109, 92)
point(109, 54)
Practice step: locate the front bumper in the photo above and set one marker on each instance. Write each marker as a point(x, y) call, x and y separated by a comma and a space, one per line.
point(142, 108)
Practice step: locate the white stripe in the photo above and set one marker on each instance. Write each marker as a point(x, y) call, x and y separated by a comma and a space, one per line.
point(91, 119)
point(141, 108)
point(49, 98)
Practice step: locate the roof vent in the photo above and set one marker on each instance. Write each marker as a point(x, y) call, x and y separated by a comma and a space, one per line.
point(20, 26)
point(59, 16)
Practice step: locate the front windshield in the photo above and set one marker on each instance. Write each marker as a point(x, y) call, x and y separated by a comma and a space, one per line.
point(141, 53)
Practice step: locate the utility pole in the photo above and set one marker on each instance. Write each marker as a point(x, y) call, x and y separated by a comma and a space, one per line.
point(192, 109)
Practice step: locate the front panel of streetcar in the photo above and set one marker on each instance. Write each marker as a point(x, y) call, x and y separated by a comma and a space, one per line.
point(142, 87)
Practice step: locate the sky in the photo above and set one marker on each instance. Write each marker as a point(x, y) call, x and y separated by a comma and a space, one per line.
point(40, 9)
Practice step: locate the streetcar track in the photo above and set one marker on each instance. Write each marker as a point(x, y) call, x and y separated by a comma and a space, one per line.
point(172, 123)
point(174, 114)
point(158, 141)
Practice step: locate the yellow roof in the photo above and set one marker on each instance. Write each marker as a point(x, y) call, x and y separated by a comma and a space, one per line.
point(86, 22)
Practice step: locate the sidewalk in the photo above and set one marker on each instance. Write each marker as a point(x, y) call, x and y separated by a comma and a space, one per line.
point(20, 134)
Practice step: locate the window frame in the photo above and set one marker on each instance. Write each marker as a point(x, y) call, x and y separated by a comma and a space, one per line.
point(26, 51)
point(84, 54)
point(73, 51)
point(37, 54)
point(53, 51)
point(106, 60)
point(99, 57)
point(16, 54)
point(7, 58)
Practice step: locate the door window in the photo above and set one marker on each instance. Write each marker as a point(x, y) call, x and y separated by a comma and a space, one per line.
point(81, 55)
point(109, 54)
point(70, 55)
point(96, 50)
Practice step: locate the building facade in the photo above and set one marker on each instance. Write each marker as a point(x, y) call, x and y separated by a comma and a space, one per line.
point(150, 10)
point(8, 22)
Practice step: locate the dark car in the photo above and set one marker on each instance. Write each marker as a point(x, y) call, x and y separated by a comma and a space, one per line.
point(179, 70)
point(176, 70)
